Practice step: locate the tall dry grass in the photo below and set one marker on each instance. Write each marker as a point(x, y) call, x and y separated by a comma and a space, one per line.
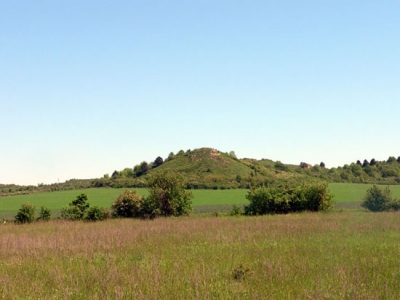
point(301, 256)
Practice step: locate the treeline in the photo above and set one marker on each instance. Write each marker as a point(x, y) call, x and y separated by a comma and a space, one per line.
point(72, 184)
point(208, 168)
point(375, 172)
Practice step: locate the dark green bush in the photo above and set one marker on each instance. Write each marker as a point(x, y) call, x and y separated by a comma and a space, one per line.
point(26, 214)
point(95, 213)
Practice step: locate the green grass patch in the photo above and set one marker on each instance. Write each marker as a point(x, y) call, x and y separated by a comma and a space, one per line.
point(349, 192)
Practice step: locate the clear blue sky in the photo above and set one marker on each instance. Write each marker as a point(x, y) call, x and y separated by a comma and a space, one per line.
point(89, 87)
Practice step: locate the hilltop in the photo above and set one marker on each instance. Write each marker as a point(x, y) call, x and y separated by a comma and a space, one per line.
point(208, 168)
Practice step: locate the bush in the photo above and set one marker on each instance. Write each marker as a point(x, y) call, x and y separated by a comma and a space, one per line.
point(168, 195)
point(314, 197)
point(96, 213)
point(236, 210)
point(286, 199)
point(377, 199)
point(150, 209)
point(266, 200)
point(26, 214)
point(129, 204)
point(44, 214)
point(71, 213)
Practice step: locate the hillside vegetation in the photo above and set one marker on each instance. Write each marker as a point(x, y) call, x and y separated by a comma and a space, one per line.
point(208, 168)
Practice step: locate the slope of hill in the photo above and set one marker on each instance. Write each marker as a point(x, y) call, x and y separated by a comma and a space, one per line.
point(208, 168)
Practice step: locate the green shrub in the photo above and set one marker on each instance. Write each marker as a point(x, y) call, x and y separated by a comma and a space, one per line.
point(129, 204)
point(316, 197)
point(168, 194)
point(95, 213)
point(150, 209)
point(26, 214)
point(267, 200)
point(44, 214)
point(377, 199)
point(71, 213)
point(286, 199)
point(236, 210)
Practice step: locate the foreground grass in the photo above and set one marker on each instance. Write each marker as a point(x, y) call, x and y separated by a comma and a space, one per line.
point(300, 256)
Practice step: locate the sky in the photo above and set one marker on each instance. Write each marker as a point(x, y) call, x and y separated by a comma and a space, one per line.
point(89, 87)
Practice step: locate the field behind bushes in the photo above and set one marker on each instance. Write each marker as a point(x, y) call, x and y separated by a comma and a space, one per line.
point(347, 255)
point(347, 196)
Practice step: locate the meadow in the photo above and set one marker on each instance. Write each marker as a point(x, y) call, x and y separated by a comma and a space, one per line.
point(347, 196)
point(337, 255)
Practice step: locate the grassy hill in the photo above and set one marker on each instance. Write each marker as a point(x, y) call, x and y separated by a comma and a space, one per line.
point(208, 168)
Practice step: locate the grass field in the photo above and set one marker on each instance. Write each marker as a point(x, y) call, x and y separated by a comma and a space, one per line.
point(347, 255)
point(347, 196)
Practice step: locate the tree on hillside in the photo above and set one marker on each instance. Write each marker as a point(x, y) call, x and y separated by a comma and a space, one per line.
point(158, 161)
point(280, 166)
point(365, 163)
point(322, 165)
point(115, 174)
point(232, 154)
point(358, 162)
point(171, 156)
point(391, 159)
point(398, 159)
point(144, 167)
point(373, 162)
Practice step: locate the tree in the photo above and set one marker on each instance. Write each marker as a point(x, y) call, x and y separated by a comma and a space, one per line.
point(232, 154)
point(377, 199)
point(322, 165)
point(365, 163)
point(373, 162)
point(76, 209)
point(280, 166)
point(158, 161)
point(144, 167)
point(358, 162)
point(391, 159)
point(171, 156)
point(167, 193)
